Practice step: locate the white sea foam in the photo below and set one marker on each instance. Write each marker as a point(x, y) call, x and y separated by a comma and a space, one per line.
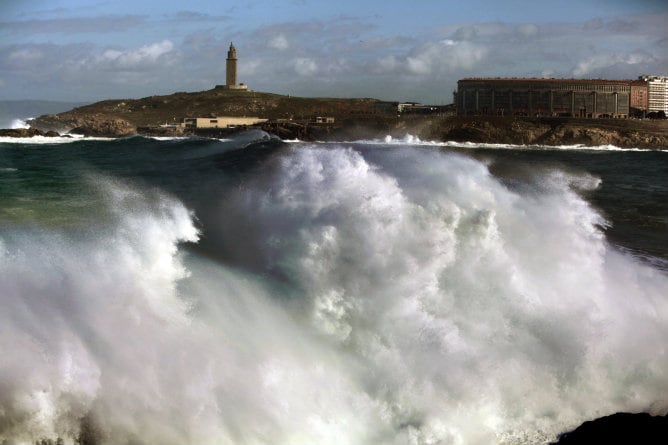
point(20, 123)
point(63, 139)
point(169, 138)
point(475, 315)
point(580, 147)
point(81, 317)
point(407, 139)
point(412, 140)
point(408, 299)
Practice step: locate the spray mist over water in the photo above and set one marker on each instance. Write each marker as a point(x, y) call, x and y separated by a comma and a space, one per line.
point(377, 296)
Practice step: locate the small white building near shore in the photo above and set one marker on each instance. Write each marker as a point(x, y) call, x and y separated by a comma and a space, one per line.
point(221, 122)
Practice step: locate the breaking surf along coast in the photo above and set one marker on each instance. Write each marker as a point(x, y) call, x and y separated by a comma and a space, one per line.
point(251, 291)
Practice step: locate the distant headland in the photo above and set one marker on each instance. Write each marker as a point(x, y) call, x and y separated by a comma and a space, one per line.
point(488, 110)
point(212, 113)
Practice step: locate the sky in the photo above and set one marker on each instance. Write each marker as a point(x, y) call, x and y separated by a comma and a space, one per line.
point(80, 51)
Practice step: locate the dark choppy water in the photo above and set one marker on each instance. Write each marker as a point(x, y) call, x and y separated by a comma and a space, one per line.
point(252, 291)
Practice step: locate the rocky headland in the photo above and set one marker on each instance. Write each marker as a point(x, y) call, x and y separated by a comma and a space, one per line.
point(27, 132)
point(627, 133)
point(362, 118)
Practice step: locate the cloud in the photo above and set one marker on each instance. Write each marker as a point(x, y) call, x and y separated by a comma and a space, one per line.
point(305, 66)
point(25, 56)
point(495, 32)
point(600, 63)
point(342, 56)
point(614, 26)
point(434, 58)
point(425, 67)
point(388, 64)
point(250, 68)
point(139, 58)
point(528, 30)
point(74, 71)
point(195, 16)
point(76, 25)
point(279, 42)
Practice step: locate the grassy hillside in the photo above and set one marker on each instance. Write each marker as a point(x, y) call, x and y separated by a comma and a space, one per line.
point(156, 110)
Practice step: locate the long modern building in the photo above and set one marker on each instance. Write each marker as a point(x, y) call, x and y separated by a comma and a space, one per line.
point(543, 97)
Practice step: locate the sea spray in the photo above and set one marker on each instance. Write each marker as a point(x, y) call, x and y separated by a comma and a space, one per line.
point(342, 294)
point(79, 314)
point(456, 292)
point(20, 123)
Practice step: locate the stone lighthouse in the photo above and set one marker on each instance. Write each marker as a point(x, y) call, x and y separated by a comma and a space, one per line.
point(231, 68)
point(231, 72)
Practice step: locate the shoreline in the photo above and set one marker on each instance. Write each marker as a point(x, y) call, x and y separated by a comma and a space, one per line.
point(625, 134)
point(339, 119)
point(622, 133)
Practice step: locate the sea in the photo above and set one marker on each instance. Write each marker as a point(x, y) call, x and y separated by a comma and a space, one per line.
point(250, 290)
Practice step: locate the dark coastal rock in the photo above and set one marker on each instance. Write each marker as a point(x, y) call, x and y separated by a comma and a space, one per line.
point(622, 428)
point(94, 124)
point(466, 133)
point(627, 133)
point(103, 126)
point(26, 132)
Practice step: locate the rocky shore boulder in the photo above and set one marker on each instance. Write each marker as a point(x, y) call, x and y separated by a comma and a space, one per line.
point(627, 133)
point(623, 428)
point(96, 124)
point(27, 132)
point(104, 126)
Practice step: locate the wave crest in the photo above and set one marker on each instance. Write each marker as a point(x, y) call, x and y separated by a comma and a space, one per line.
point(337, 296)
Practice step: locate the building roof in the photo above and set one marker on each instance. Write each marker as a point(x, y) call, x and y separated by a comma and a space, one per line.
point(541, 79)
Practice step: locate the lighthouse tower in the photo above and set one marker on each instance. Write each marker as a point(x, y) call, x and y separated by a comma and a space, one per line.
point(231, 68)
point(231, 72)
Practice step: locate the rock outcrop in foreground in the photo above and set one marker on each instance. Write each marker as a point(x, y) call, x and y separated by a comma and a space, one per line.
point(623, 428)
